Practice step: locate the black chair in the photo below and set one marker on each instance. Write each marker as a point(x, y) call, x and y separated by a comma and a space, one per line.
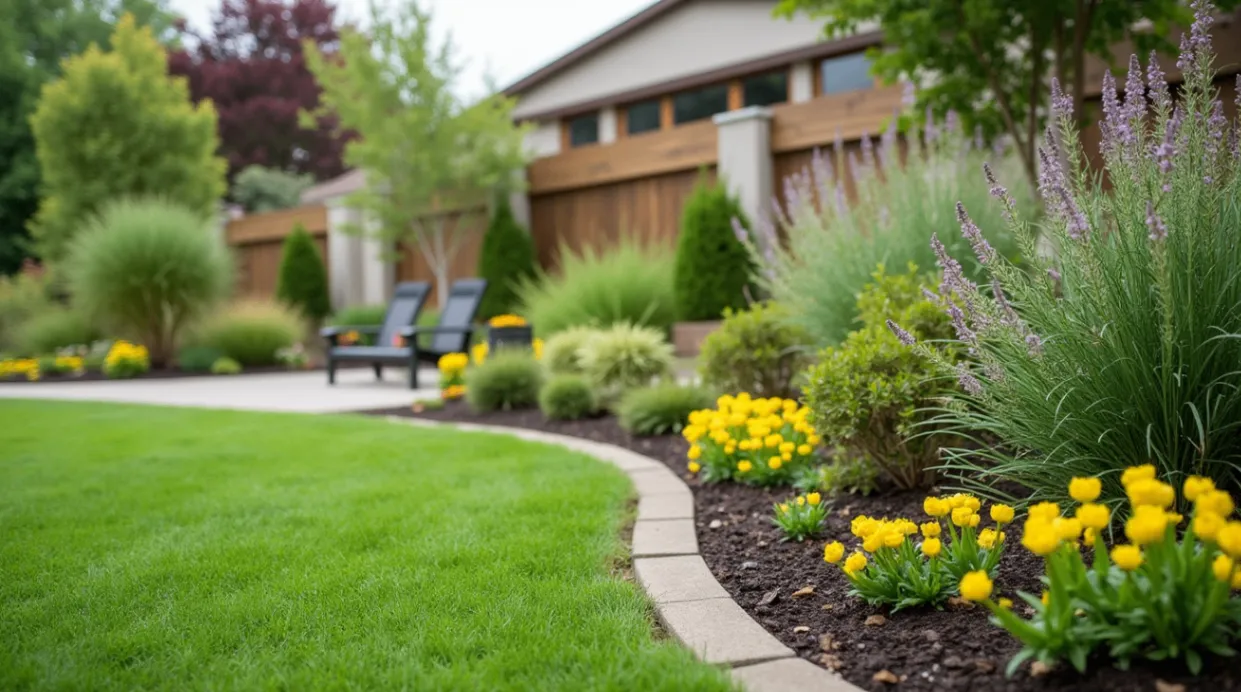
point(407, 302)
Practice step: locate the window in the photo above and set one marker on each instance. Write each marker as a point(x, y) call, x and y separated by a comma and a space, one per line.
point(688, 106)
point(583, 130)
point(845, 73)
point(766, 89)
point(642, 117)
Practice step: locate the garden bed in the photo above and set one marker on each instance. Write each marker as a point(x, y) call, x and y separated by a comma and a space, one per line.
point(922, 649)
point(96, 376)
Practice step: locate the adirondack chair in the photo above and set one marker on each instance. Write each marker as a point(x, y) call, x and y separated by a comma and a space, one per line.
point(407, 301)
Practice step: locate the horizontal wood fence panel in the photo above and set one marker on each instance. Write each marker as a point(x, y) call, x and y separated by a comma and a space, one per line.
point(818, 121)
point(258, 266)
point(412, 265)
point(275, 225)
point(651, 154)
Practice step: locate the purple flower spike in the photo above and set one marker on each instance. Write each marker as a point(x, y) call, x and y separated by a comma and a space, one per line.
point(739, 231)
point(968, 382)
point(1034, 344)
point(1061, 103)
point(969, 229)
point(954, 279)
point(1157, 83)
point(903, 336)
point(932, 132)
point(1165, 151)
point(1158, 231)
point(952, 122)
point(930, 295)
point(1111, 103)
point(999, 192)
point(1198, 42)
point(1054, 274)
point(1077, 225)
point(909, 95)
point(964, 333)
point(1010, 315)
point(1135, 91)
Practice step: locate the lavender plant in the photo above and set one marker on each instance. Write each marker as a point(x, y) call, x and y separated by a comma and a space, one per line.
point(1125, 345)
point(903, 194)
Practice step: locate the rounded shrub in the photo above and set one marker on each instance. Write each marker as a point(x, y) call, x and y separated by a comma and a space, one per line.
point(225, 366)
point(713, 267)
point(198, 358)
point(505, 259)
point(661, 409)
point(251, 332)
point(302, 282)
point(562, 352)
point(757, 350)
point(510, 379)
point(148, 268)
point(623, 357)
point(55, 329)
point(567, 397)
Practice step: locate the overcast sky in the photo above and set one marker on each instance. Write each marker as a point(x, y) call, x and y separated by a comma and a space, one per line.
point(507, 38)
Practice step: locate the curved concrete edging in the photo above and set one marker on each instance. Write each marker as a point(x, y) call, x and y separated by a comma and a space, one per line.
point(691, 604)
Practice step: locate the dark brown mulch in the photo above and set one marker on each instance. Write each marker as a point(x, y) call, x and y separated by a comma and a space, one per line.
point(926, 649)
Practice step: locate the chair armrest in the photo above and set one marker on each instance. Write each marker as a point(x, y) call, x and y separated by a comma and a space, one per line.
point(408, 332)
point(342, 329)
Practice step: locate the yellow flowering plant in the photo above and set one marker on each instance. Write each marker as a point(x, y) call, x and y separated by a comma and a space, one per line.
point(61, 365)
point(1163, 595)
point(502, 321)
point(27, 368)
point(452, 375)
point(764, 441)
point(126, 360)
point(801, 517)
point(480, 351)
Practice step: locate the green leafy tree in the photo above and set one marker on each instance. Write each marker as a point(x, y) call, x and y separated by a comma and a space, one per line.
point(990, 60)
point(712, 266)
point(425, 151)
point(302, 283)
point(505, 260)
point(114, 125)
point(259, 189)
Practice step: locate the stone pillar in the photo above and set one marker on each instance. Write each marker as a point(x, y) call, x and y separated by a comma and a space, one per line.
point(745, 164)
point(342, 255)
point(376, 270)
point(801, 82)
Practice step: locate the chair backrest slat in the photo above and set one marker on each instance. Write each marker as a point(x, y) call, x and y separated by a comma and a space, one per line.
point(407, 302)
point(464, 297)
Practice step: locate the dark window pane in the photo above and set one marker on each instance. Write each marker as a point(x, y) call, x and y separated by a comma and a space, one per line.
point(642, 117)
point(845, 73)
point(584, 129)
point(766, 89)
point(700, 103)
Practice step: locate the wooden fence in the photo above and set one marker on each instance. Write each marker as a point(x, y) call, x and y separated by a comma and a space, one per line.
point(257, 241)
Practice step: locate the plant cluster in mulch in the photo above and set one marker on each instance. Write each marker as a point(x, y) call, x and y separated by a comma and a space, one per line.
point(803, 601)
point(97, 376)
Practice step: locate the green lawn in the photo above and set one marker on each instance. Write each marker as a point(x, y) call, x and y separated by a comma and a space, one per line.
point(181, 549)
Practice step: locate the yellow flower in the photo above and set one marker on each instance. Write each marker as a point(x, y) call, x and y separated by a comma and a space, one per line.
point(1215, 501)
point(972, 502)
point(1137, 473)
point(1147, 525)
point(893, 539)
point(1045, 511)
point(931, 529)
point(1229, 539)
point(1089, 535)
point(833, 552)
point(744, 466)
point(1206, 526)
point(501, 321)
point(873, 542)
point(1001, 514)
point(786, 457)
point(862, 526)
point(1045, 598)
point(801, 500)
point(1222, 567)
point(814, 499)
point(976, 586)
point(694, 467)
point(695, 452)
point(1127, 557)
point(961, 516)
point(955, 501)
point(804, 450)
point(1094, 516)
point(931, 547)
point(987, 538)
point(1148, 491)
point(974, 520)
point(856, 563)
point(478, 353)
point(774, 463)
point(1039, 536)
point(1006, 603)
point(1236, 581)
point(813, 440)
point(787, 447)
point(784, 508)
point(1195, 486)
point(730, 447)
point(935, 507)
point(1085, 489)
point(537, 346)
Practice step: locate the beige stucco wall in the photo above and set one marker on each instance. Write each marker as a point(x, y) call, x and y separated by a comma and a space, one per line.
point(698, 37)
point(543, 139)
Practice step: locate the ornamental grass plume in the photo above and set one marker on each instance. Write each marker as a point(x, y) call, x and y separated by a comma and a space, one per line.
point(1123, 342)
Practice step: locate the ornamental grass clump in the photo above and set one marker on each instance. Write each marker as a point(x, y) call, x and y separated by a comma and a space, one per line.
point(1164, 595)
point(1125, 342)
point(567, 397)
point(510, 379)
point(892, 568)
point(801, 517)
point(624, 357)
point(660, 409)
point(751, 441)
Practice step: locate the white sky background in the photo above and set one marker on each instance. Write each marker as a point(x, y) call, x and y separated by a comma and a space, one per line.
point(507, 39)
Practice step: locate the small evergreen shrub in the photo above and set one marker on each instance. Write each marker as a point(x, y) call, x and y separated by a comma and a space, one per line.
point(623, 357)
point(505, 259)
point(713, 267)
point(567, 397)
point(225, 366)
point(198, 358)
point(661, 409)
point(562, 352)
point(509, 379)
point(55, 329)
point(759, 350)
point(252, 332)
point(302, 283)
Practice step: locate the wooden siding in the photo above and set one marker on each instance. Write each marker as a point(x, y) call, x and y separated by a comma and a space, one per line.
point(820, 120)
point(649, 154)
point(275, 225)
point(258, 265)
point(257, 241)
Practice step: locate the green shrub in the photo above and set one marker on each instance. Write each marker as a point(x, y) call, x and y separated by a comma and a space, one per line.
point(661, 409)
point(870, 394)
point(562, 352)
point(628, 283)
point(505, 259)
point(21, 297)
point(758, 350)
point(364, 316)
point(302, 283)
point(149, 268)
point(55, 329)
point(198, 358)
point(509, 379)
point(60, 365)
point(623, 357)
point(567, 397)
point(713, 268)
point(251, 332)
point(826, 246)
point(848, 474)
point(260, 189)
point(225, 366)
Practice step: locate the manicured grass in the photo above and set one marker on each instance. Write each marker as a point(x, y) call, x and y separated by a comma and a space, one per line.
point(183, 549)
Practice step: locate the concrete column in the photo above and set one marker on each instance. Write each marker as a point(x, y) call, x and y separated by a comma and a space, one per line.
point(376, 270)
point(342, 255)
point(745, 164)
point(607, 125)
point(801, 82)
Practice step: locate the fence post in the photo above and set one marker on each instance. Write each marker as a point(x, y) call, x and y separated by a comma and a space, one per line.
point(744, 161)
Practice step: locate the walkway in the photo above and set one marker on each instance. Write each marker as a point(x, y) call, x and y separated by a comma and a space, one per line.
point(305, 392)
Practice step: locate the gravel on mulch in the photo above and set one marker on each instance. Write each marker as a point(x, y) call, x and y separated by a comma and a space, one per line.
point(924, 649)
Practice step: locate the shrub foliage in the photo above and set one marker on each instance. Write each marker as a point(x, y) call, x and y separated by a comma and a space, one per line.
point(661, 409)
point(713, 267)
point(302, 283)
point(567, 397)
point(252, 332)
point(624, 357)
point(505, 260)
point(757, 350)
point(56, 328)
point(510, 379)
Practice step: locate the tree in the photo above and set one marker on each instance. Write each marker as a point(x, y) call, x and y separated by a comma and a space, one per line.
point(252, 66)
point(117, 125)
point(424, 150)
point(991, 60)
point(302, 283)
point(712, 266)
point(35, 36)
point(505, 259)
point(259, 189)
